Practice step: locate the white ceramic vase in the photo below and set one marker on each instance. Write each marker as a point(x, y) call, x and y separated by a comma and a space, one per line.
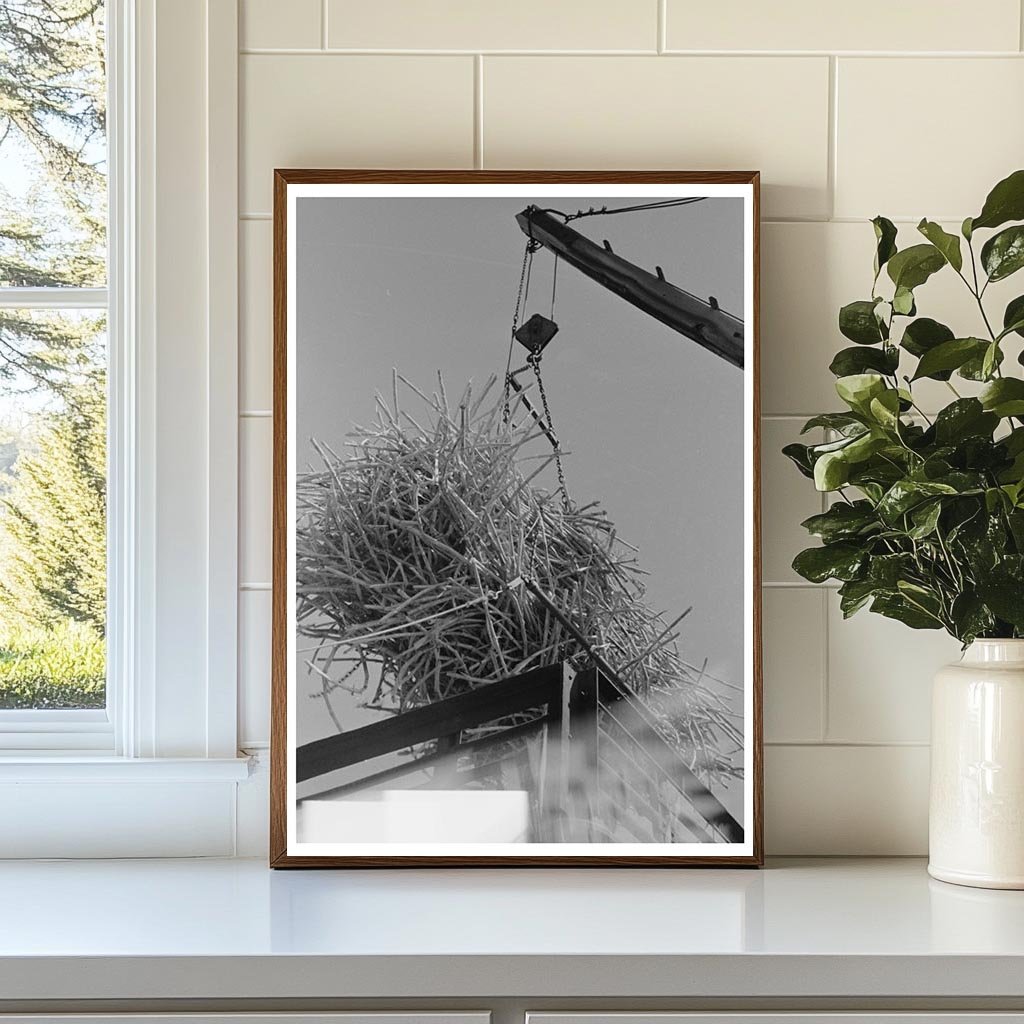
point(976, 816)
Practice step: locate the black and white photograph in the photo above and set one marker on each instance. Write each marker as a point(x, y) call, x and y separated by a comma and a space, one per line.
point(515, 511)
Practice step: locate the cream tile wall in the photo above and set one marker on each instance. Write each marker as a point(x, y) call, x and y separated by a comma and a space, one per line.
point(848, 110)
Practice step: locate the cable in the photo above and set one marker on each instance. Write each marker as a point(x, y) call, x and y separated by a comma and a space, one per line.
point(604, 211)
point(554, 286)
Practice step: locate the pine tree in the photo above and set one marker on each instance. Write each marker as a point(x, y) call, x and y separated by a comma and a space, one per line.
point(52, 123)
point(53, 519)
point(53, 234)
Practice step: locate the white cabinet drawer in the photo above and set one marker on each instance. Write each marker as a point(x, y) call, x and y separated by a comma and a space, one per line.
point(788, 1017)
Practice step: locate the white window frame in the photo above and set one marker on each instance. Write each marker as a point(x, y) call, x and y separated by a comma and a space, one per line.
point(72, 729)
point(169, 734)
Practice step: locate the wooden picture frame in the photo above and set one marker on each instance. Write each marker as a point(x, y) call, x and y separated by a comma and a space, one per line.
point(597, 683)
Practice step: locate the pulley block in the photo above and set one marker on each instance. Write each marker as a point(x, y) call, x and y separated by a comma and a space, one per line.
point(536, 333)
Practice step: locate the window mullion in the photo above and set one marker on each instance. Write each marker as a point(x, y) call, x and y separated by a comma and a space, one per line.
point(53, 298)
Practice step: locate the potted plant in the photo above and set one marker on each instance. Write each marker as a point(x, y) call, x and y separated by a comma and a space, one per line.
point(926, 521)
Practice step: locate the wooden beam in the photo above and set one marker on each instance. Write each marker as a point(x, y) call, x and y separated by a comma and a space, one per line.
point(428, 760)
point(444, 717)
point(697, 319)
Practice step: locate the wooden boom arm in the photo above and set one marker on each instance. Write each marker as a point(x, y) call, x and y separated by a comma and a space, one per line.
point(699, 320)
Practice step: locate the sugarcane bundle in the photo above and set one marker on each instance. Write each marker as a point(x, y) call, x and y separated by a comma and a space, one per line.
point(413, 546)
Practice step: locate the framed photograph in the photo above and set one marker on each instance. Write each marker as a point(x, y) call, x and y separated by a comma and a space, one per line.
point(516, 614)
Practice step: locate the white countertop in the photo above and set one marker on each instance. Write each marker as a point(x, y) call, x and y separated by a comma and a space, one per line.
point(234, 929)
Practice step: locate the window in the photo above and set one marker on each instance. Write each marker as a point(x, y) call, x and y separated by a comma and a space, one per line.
point(53, 365)
point(118, 260)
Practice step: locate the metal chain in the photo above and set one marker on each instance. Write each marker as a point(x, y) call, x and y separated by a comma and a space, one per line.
point(534, 361)
point(524, 287)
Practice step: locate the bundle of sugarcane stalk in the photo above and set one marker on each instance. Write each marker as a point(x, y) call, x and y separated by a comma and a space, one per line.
point(430, 561)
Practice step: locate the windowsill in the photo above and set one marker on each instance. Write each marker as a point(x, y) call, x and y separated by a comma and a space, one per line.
point(79, 766)
point(839, 928)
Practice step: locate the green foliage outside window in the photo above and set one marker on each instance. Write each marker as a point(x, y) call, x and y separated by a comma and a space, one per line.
point(52, 364)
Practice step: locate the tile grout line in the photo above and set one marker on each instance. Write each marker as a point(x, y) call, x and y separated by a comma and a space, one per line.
point(1020, 24)
point(662, 27)
point(826, 688)
point(323, 24)
point(852, 744)
point(478, 111)
point(824, 724)
point(831, 171)
point(258, 51)
point(799, 585)
point(354, 51)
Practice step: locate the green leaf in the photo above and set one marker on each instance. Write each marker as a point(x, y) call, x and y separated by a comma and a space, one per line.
point(841, 421)
point(1013, 316)
point(817, 450)
point(858, 389)
point(863, 447)
point(925, 334)
point(842, 521)
point(947, 244)
point(965, 229)
point(885, 409)
point(842, 561)
point(978, 453)
point(1005, 202)
point(799, 455)
point(831, 471)
point(950, 355)
point(854, 594)
point(1012, 476)
point(970, 617)
point(925, 518)
point(899, 608)
point(903, 302)
point(906, 494)
point(974, 368)
point(872, 491)
point(885, 238)
point(912, 267)
point(1004, 397)
point(964, 418)
point(857, 321)
point(887, 570)
point(1015, 492)
point(1017, 326)
point(982, 537)
point(1015, 518)
point(1003, 254)
point(935, 466)
point(1005, 597)
point(849, 361)
point(990, 360)
point(883, 470)
point(995, 500)
point(964, 482)
point(1014, 441)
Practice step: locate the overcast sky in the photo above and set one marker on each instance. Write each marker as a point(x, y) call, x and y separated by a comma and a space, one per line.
point(653, 422)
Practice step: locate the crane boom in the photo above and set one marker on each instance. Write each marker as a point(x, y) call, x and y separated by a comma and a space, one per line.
point(697, 319)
